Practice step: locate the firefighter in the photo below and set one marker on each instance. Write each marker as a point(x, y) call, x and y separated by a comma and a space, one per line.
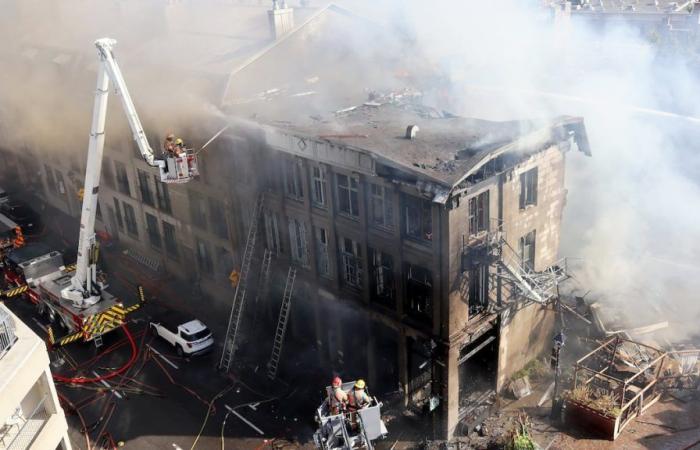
point(169, 145)
point(339, 399)
point(357, 397)
point(19, 238)
point(179, 147)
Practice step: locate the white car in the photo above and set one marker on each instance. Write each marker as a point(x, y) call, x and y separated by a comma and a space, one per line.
point(188, 335)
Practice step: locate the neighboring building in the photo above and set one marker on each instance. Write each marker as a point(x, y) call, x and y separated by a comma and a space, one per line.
point(30, 414)
point(398, 233)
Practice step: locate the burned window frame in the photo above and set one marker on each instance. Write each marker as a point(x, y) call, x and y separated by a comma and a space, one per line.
point(118, 214)
point(224, 263)
point(298, 242)
point(272, 232)
point(422, 213)
point(162, 195)
point(528, 244)
point(132, 226)
point(198, 209)
point(381, 208)
point(319, 186)
point(153, 231)
point(122, 178)
point(479, 213)
point(204, 258)
point(528, 188)
point(382, 282)
point(419, 291)
point(108, 173)
point(145, 187)
point(169, 240)
point(348, 195)
point(478, 290)
point(323, 261)
point(350, 252)
point(217, 218)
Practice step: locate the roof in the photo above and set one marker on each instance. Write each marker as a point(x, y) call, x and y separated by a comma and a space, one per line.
point(444, 150)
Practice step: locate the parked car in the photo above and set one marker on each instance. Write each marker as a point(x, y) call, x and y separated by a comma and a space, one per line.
point(186, 334)
point(22, 214)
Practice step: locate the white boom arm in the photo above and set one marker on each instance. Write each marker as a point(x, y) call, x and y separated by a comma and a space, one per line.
point(85, 289)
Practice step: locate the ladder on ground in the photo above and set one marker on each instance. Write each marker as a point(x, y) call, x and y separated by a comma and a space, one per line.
point(239, 295)
point(281, 324)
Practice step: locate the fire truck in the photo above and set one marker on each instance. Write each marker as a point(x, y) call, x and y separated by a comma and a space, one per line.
point(76, 296)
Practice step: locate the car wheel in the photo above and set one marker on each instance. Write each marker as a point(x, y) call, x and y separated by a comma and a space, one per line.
point(179, 350)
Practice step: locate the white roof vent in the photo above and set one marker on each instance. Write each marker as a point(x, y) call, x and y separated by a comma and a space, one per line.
point(411, 131)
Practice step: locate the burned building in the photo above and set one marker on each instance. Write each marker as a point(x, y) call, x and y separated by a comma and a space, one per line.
point(425, 245)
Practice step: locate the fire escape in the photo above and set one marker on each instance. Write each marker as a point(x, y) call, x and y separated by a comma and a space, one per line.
point(508, 275)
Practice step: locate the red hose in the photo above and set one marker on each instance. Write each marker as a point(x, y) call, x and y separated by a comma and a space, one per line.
point(83, 380)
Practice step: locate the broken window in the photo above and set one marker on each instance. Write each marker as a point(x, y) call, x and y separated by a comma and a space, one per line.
point(527, 250)
point(204, 258)
point(162, 195)
point(528, 188)
point(272, 232)
point(130, 220)
point(382, 278)
point(479, 213)
point(118, 210)
point(122, 178)
point(418, 222)
point(347, 188)
point(318, 184)
point(198, 212)
point(146, 194)
point(297, 242)
point(419, 292)
point(293, 178)
point(351, 254)
point(169, 239)
point(478, 289)
point(107, 173)
point(153, 230)
point(324, 263)
point(217, 213)
point(381, 207)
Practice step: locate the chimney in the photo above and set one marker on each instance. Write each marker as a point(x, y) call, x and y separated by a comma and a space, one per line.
point(281, 19)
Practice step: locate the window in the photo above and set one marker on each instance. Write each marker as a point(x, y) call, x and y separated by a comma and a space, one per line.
point(479, 213)
point(351, 255)
point(204, 258)
point(118, 210)
point(528, 188)
point(292, 178)
point(418, 222)
point(162, 195)
point(122, 178)
point(527, 251)
point(297, 242)
point(347, 195)
point(146, 194)
point(50, 179)
point(198, 212)
point(130, 220)
point(169, 239)
point(478, 289)
point(272, 232)
point(382, 278)
point(381, 211)
point(217, 214)
point(318, 186)
point(107, 173)
point(98, 212)
point(419, 292)
point(324, 265)
point(153, 230)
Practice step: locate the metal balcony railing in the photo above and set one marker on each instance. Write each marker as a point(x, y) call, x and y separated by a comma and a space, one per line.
point(7, 332)
point(19, 431)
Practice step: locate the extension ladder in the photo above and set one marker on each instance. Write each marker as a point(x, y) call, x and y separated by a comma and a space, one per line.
point(239, 294)
point(281, 324)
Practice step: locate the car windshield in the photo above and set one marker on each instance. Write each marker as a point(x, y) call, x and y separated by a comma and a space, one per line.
point(196, 336)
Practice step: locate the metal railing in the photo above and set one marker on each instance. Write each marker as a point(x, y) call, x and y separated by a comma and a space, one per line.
point(7, 332)
point(30, 427)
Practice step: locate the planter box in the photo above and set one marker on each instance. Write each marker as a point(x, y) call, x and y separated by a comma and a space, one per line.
point(589, 419)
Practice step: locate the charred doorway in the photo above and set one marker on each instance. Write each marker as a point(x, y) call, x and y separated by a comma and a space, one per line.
point(478, 368)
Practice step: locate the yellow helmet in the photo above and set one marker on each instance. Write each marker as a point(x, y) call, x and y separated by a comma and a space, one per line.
point(178, 141)
point(360, 384)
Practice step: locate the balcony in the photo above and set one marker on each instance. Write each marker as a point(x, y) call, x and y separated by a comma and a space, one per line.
point(19, 430)
point(7, 332)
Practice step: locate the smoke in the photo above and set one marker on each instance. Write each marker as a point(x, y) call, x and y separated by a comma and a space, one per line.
point(631, 213)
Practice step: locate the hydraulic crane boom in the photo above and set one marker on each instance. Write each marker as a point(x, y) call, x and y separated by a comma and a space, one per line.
point(85, 289)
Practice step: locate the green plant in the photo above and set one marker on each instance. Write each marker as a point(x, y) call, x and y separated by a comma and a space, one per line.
point(520, 438)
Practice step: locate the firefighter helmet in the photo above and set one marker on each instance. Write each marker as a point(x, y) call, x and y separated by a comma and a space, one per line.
point(360, 384)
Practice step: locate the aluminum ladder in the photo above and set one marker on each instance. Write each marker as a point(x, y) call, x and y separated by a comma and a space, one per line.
point(239, 295)
point(281, 325)
point(264, 280)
